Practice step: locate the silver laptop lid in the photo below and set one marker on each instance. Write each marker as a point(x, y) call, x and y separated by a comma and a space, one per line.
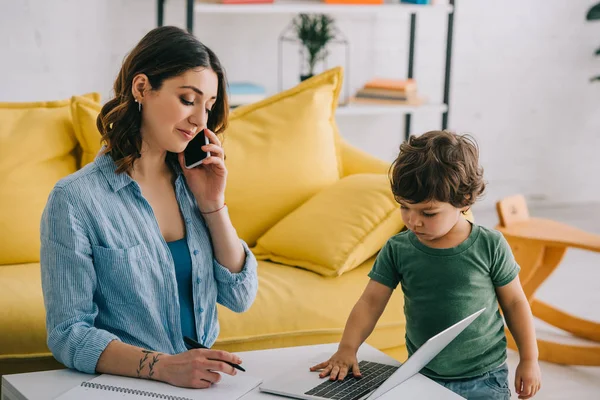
point(423, 355)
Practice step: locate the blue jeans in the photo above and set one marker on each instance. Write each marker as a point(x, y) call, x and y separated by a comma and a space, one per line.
point(492, 385)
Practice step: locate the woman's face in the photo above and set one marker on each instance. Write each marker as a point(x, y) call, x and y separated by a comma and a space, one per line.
point(178, 111)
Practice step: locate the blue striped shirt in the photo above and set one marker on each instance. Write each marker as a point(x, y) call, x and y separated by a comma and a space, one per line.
point(108, 274)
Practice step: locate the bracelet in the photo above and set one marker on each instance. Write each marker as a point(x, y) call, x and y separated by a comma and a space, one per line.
point(214, 211)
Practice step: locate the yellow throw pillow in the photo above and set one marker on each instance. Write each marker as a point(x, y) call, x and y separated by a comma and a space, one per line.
point(337, 229)
point(280, 152)
point(85, 111)
point(37, 148)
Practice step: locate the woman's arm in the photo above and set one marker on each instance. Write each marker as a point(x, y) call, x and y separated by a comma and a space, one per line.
point(227, 246)
point(234, 264)
point(194, 369)
point(68, 285)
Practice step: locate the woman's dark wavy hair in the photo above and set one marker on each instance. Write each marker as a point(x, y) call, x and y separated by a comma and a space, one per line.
point(163, 53)
point(438, 165)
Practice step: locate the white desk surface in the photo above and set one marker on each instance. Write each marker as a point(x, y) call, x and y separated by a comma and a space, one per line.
point(261, 363)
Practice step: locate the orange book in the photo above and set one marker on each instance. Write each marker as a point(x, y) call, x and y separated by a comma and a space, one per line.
point(392, 84)
point(417, 101)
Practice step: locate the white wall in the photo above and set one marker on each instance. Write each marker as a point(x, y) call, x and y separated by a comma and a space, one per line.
point(520, 75)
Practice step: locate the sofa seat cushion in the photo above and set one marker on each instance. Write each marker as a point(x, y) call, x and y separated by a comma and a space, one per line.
point(297, 307)
point(293, 307)
point(22, 314)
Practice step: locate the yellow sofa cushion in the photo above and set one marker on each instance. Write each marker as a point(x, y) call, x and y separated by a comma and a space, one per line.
point(288, 311)
point(280, 152)
point(85, 111)
point(23, 318)
point(296, 307)
point(337, 229)
point(37, 148)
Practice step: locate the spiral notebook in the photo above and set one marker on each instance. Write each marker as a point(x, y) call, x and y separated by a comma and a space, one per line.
point(109, 387)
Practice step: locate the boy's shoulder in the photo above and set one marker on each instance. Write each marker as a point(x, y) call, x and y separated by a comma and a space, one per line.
point(399, 238)
point(489, 235)
point(398, 243)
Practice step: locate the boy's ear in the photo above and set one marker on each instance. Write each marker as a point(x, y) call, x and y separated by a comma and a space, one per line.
point(466, 209)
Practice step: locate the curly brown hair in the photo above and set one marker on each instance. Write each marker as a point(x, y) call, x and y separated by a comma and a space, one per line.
point(163, 53)
point(438, 165)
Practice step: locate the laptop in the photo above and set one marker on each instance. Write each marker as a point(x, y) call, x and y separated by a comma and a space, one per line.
point(376, 378)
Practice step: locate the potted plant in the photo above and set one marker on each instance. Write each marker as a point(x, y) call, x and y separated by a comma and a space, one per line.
point(594, 14)
point(314, 32)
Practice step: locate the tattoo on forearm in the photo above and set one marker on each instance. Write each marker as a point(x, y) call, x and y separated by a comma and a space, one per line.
point(151, 364)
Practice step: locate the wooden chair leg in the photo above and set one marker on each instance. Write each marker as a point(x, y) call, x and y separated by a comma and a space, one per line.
point(552, 256)
point(577, 326)
point(559, 353)
point(528, 255)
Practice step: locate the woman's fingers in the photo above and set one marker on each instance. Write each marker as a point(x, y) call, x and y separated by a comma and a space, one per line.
point(217, 365)
point(214, 150)
point(212, 137)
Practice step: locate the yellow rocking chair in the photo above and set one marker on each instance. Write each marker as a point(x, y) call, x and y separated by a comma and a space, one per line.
point(539, 246)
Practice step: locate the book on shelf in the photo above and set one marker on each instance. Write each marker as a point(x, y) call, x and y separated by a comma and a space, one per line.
point(241, 93)
point(388, 91)
point(385, 94)
point(406, 85)
point(416, 101)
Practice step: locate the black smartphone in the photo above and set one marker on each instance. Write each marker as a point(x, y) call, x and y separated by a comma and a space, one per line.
point(193, 153)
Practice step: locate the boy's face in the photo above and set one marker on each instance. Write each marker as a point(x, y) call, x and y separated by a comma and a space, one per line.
point(430, 220)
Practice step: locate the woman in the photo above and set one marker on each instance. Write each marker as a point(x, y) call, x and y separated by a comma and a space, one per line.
point(137, 249)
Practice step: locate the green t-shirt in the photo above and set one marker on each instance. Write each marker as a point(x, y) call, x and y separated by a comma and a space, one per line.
point(443, 286)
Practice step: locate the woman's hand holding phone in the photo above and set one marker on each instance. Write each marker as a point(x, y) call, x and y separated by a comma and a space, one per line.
point(207, 180)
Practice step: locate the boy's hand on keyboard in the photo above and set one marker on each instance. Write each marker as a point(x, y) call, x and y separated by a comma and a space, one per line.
point(338, 366)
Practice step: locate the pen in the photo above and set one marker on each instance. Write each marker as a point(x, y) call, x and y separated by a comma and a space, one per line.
point(195, 345)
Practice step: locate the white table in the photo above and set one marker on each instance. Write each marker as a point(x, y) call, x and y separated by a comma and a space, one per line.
point(261, 363)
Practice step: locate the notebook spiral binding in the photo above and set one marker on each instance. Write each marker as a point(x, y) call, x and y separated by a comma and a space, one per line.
point(118, 389)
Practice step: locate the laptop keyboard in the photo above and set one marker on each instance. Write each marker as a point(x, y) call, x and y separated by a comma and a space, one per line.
point(351, 388)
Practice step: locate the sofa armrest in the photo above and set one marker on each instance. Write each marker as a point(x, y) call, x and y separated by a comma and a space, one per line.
point(356, 161)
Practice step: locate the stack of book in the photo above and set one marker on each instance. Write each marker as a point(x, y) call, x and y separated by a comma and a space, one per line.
point(241, 93)
point(388, 91)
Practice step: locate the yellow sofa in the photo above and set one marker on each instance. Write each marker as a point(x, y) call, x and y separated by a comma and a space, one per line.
point(288, 168)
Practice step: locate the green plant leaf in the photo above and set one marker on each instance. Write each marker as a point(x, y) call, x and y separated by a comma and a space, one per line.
point(315, 32)
point(593, 13)
point(596, 78)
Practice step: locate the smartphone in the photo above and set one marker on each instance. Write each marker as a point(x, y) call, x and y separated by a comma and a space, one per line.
point(193, 153)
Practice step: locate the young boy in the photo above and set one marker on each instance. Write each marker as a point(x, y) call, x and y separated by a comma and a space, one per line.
point(448, 268)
